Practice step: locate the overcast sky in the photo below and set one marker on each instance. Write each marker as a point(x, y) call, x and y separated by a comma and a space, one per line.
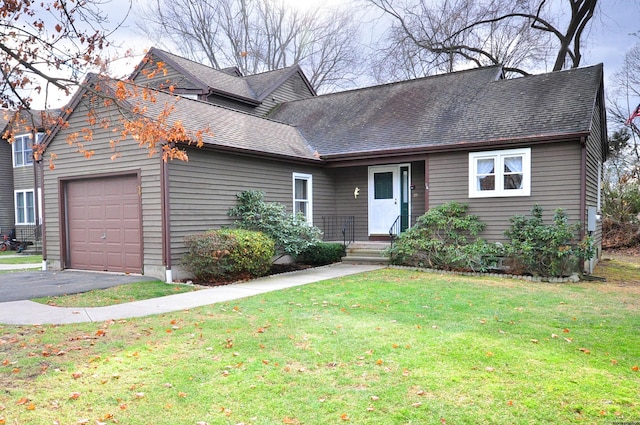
point(610, 33)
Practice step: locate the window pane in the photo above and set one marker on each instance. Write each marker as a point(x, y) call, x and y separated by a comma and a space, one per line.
point(301, 207)
point(301, 189)
point(30, 208)
point(383, 185)
point(513, 164)
point(513, 181)
point(487, 183)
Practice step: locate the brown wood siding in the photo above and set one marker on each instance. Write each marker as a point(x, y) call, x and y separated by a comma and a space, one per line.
point(232, 104)
point(555, 183)
point(594, 162)
point(71, 164)
point(203, 189)
point(162, 80)
point(347, 179)
point(293, 88)
point(7, 219)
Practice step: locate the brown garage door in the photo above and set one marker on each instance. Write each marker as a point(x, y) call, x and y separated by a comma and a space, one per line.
point(103, 224)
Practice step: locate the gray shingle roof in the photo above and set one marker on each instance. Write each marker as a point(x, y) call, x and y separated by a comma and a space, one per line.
point(463, 107)
point(236, 130)
point(254, 87)
point(207, 76)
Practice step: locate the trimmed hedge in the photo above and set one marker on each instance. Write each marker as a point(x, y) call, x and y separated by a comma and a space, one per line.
point(228, 254)
point(321, 254)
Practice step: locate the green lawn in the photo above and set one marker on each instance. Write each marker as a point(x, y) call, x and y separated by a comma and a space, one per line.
point(117, 295)
point(11, 257)
point(387, 347)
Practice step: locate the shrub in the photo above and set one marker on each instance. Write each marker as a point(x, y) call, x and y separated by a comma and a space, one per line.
point(321, 254)
point(441, 239)
point(547, 250)
point(291, 233)
point(228, 254)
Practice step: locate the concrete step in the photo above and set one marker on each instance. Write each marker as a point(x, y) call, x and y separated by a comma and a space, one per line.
point(363, 252)
point(365, 260)
point(366, 253)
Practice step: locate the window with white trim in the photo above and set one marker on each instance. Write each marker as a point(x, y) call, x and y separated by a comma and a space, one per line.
point(23, 149)
point(302, 195)
point(25, 207)
point(500, 173)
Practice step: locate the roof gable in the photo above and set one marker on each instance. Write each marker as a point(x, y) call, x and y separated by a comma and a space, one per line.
point(227, 82)
point(230, 129)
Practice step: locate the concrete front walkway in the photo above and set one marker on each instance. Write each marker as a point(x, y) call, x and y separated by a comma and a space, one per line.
point(31, 313)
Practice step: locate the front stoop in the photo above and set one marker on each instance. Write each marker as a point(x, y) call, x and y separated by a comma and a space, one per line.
point(366, 253)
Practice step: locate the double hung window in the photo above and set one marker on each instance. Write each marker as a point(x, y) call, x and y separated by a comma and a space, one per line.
point(302, 195)
point(500, 173)
point(25, 207)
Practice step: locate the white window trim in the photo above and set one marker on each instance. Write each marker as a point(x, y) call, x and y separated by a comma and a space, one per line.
point(15, 204)
point(499, 156)
point(25, 160)
point(309, 179)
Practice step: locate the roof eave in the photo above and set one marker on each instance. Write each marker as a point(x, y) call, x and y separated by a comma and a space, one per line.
point(262, 154)
point(453, 147)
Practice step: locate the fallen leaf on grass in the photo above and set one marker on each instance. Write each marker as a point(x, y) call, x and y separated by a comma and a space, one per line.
point(74, 395)
point(634, 368)
point(584, 350)
point(535, 341)
point(345, 417)
point(417, 404)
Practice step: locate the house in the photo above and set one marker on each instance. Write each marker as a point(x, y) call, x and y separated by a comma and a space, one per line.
point(376, 157)
point(21, 199)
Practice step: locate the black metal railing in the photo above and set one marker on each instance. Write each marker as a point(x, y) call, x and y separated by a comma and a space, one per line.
point(395, 229)
point(31, 236)
point(339, 227)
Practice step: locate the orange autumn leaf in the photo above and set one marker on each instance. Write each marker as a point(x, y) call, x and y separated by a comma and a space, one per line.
point(181, 394)
point(379, 361)
point(345, 417)
point(31, 406)
point(2, 420)
point(22, 401)
point(288, 420)
point(634, 368)
point(74, 395)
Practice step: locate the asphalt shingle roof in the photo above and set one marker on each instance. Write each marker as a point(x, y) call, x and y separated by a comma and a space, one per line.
point(233, 129)
point(255, 87)
point(462, 107)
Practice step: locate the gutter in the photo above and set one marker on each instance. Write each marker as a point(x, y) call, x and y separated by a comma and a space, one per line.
point(336, 159)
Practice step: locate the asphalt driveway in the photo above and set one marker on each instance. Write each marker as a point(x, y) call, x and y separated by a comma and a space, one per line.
point(17, 286)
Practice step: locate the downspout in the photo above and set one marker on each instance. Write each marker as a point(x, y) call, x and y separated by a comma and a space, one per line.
point(43, 233)
point(583, 186)
point(166, 221)
point(38, 190)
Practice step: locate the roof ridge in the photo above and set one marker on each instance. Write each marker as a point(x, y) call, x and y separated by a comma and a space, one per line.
point(402, 82)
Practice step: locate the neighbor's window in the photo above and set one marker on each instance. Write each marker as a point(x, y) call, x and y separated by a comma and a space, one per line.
point(25, 207)
point(302, 195)
point(500, 173)
point(23, 149)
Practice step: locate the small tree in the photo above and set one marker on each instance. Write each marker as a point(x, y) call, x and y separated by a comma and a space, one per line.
point(445, 238)
point(547, 250)
point(291, 232)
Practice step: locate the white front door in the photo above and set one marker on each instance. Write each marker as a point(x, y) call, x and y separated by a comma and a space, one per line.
point(384, 198)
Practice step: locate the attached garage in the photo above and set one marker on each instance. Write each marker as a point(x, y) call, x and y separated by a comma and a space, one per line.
point(102, 224)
